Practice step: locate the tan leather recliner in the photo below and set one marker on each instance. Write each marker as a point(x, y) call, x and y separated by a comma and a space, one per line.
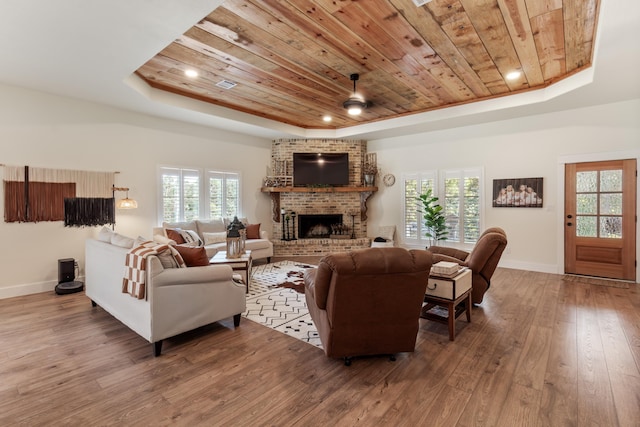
point(368, 301)
point(482, 260)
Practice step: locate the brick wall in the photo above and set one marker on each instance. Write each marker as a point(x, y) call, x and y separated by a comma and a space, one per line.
point(347, 203)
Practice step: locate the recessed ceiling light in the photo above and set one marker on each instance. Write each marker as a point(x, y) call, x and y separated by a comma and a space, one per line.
point(326, 119)
point(191, 73)
point(513, 75)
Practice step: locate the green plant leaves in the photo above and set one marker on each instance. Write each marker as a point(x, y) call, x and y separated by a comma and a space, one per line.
point(433, 215)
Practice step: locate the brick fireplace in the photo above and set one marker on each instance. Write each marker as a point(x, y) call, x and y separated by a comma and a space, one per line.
point(342, 209)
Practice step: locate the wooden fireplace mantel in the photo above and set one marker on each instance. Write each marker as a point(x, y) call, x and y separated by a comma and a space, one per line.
point(365, 193)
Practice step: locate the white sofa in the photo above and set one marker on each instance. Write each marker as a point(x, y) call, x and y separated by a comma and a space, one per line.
point(260, 248)
point(177, 299)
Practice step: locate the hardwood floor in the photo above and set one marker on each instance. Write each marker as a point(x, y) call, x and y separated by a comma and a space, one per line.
point(540, 351)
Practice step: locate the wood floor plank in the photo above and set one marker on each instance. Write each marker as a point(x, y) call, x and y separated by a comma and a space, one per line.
point(540, 350)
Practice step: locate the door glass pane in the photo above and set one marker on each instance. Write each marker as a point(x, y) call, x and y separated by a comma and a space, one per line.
point(586, 226)
point(611, 227)
point(586, 181)
point(611, 204)
point(587, 204)
point(611, 180)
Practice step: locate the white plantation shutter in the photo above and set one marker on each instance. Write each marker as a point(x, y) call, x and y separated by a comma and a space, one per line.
point(415, 185)
point(462, 204)
point(224, 194)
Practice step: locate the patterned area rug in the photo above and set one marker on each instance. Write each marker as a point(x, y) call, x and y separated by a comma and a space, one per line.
point(276, 299)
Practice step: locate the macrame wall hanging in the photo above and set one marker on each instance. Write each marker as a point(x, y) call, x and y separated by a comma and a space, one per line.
point(79, 198)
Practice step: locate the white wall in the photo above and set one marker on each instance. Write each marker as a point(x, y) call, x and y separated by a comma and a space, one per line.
point(41, 130)
point(518, 148)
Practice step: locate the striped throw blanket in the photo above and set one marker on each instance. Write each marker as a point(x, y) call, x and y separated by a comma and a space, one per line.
point(135, 267)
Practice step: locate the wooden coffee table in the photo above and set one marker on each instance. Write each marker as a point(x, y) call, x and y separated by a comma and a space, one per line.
point(241, 264)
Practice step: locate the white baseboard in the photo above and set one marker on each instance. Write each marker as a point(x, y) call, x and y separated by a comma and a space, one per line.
point(29, 288)
point(522, 265)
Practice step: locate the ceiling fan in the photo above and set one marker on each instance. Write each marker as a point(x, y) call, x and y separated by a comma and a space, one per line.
point(355, 104)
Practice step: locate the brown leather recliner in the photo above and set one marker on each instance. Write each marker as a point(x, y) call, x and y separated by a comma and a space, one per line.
point(482, 260)
point(368, 301)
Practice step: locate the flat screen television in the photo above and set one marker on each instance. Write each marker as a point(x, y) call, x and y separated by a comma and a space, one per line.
point(320, 169)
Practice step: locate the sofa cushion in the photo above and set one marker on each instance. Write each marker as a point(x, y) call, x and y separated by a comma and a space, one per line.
point(187, 225)
point(215, 225)
point(193, 257)
point(253, 231)
point(122, 241)
point(255, 244)
point(105, 234)
point(210, 238)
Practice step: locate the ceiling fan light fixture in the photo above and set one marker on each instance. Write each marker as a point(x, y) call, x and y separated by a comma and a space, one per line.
point(355, 104)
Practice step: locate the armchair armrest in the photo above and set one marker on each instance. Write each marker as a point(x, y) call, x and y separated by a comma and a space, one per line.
point(442, 257)
point(458, 254)
point(264, 234)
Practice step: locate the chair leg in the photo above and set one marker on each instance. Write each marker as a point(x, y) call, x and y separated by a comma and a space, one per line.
point(347, 361)
point(392, 357)
point(157, 348)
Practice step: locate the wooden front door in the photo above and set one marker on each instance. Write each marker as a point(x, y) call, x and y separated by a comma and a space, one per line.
point(600, 219)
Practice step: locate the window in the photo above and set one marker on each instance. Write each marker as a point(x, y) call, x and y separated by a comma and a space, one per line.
point(224, 191)
point(462, 204)
point(183, 198)
point(460, 196)
point(414, 185)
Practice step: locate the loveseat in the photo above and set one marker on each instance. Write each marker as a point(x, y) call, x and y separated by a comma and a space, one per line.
point(212, 233)
point(176, 299)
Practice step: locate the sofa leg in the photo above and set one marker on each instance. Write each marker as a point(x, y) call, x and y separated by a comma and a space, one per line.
point(347, 361)
point(93, 303)
point(236, 319)
point(157, 348)
point(268, 260)
point(392, 357)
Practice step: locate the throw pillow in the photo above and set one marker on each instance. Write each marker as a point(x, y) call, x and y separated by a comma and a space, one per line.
point(122, 241)
point(191, 238)
point(167, 259)
point(210, 238)
point(105, 234)
point(193, 257)
point(174, 234)
point(253, 231)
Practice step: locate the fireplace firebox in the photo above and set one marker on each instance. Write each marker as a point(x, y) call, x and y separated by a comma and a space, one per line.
point(319, 226)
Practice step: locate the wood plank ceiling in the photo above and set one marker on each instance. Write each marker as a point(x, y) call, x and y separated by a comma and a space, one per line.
point(291, 60)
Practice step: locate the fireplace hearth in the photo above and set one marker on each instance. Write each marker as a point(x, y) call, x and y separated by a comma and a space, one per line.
point(319, 226)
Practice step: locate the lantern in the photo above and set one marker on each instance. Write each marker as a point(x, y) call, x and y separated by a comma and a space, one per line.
point(235, 246)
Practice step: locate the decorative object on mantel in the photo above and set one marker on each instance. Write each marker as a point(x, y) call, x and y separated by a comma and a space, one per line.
point(80, 198)
point(370, 169)
point(279, 175)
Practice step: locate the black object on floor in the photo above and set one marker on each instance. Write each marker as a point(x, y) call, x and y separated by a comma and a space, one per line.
point(69, 287)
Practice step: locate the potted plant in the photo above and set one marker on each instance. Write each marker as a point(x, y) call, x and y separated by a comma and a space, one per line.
point(434, 218)
point(369, 170)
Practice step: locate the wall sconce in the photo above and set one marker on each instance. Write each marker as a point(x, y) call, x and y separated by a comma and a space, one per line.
point(125, 203)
